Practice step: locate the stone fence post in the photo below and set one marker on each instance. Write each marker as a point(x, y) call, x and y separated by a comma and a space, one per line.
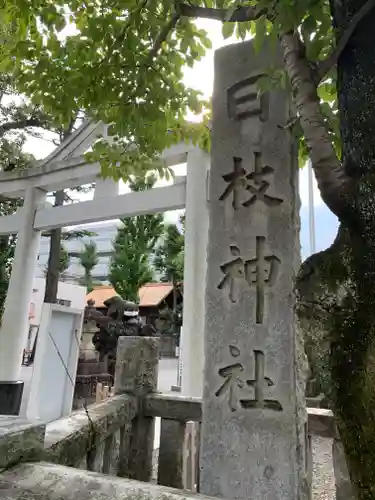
point(344, 488)
point(136, 373)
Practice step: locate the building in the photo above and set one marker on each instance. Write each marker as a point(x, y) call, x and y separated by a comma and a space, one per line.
point(105, 233)
point(153, 297)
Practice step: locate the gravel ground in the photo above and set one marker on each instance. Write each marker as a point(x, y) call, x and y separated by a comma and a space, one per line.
point(323, 478)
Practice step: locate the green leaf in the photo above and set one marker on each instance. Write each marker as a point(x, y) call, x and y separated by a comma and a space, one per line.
point(260, 33)
point(227, 29)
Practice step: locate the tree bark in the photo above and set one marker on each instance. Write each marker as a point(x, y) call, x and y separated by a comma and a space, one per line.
point(53, 266)
point(353, 343)
point(332, 181)
point(336, 287)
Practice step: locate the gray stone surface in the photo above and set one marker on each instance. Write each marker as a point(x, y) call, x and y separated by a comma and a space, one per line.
point(137, 362)
point(174, 407)
point(321, 423)
point(112, 453)
point(344, 489)
point(20, 439)
point(254, 421)
point(95, 458)
point(44, 481)
point(124, 450)
point(172, 434)
point(69, 439)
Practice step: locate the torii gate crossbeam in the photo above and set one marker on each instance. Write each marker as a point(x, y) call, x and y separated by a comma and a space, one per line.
point(65, 168)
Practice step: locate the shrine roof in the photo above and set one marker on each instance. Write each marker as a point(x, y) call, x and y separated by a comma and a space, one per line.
point(150, 295)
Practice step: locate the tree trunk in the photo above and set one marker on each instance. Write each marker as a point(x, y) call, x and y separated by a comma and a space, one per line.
point(4, 278)
point(337, 287)
point(337, 313)
point(53, 267)
point(88, 280)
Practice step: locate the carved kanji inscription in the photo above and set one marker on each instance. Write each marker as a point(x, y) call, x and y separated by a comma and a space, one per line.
point(259, 383)
point(234, 271)
point(241, 183)
point(245, 101)
point(237, 183)
point(232, 380)
point(260, 272)
point(235, 387)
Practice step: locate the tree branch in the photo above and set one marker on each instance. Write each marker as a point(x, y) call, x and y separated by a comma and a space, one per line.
point(241, 14)
point(332, 181)
point(163, 35)
point(328, 63)
point(21, 124)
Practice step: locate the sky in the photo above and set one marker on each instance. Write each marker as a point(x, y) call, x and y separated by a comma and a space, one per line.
point(201, 77)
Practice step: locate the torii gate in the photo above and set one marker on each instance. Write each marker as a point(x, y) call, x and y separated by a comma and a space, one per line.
point(66, 167)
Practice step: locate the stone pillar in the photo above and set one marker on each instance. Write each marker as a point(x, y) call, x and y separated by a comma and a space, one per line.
point(253, 426)
point(196, 233)
point(15, 322)
point(87, 349)
point(137, 361)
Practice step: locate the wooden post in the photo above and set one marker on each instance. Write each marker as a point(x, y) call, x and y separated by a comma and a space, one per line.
point(172, 434)
point(136, 373)
point(191, 456)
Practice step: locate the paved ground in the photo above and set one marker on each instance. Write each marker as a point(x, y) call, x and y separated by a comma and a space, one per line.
point(323, 478)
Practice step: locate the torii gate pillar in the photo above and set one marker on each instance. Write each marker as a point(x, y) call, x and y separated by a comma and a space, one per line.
point(196, 237)
point(15, 322)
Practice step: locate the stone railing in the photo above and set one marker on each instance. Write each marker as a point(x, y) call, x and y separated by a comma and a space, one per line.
point(177, 463)
point(177, 411)
point(94, 438)
point(56, 482)
point(116, 437)
point(113, 437)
